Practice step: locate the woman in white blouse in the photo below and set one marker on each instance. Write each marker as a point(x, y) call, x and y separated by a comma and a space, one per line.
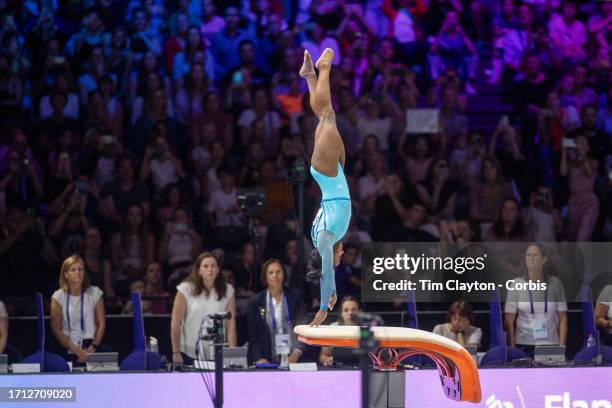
point(540, 315)
point(203, 293)
point(603, 313)
point(77, 310)
point(459, 328)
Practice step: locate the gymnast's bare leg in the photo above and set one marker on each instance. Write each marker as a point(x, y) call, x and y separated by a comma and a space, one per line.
point(328, 152)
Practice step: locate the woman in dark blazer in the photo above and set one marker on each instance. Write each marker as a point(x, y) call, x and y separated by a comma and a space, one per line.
point(273, 311)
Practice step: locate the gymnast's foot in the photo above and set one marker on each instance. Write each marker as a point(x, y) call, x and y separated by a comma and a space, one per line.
point(307, 69)
point(325, 59)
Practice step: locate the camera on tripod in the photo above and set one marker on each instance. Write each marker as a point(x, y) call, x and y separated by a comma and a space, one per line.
point(250, 201)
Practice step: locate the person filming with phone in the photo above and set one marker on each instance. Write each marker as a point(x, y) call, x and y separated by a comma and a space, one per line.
point(543, 218)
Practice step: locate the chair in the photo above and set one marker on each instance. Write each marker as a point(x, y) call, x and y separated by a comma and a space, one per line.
point(49, 362)
point(588, 353)
point(139, 359)
point(499, 353)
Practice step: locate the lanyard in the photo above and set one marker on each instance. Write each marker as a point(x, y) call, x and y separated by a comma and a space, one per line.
point(545, 302)
point(68, 311)
point(271, 309)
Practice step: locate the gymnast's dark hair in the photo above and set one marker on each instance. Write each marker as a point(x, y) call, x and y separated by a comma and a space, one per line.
point(315, 265)
point(313, 269)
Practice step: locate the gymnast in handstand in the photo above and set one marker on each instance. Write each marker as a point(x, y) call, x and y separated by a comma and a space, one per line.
point(327, 168)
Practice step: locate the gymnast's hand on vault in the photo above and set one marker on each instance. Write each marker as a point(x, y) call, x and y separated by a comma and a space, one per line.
point(319, 318)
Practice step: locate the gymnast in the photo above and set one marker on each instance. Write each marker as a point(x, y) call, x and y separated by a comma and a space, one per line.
point(327, 164)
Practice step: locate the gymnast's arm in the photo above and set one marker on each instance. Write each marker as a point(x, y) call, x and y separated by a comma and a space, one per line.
point(325, 244)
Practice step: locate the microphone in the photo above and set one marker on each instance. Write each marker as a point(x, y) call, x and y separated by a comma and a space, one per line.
point(220, 316)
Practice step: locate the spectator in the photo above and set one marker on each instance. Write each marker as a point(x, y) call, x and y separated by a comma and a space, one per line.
point(418, 160)
point(179, 245)
point(438, 191)
point(371, 185)
point(272, 313)
point(583, 204)
point(204, 292)
point(144, 37)
point(20, 183)
point(222, 122)
point(117, 195)
point(98, 266)
point(599, 27)
point(3, 327)
point(317, 40)
point(603, 314)
point(156, 112)
point(69, 226)
point(373, 124)
point(567, 33)
point(134, 245)
point(247, 282)
point(153, 286)
point(173, 197)
point(348, 281)
point(555, 121)
point(487, 195)
point(349, 308)
point(183, 61)
point(453, 124)
point(543, 218)
point(211, 22)
point(79, 336)
point(25, 250)
point(403, 27)
point(459, 328)
point(225, 44)
point(598, 139)
point(161, 165)
point(541, 318)
point(222, 208)
point(509, 225)
point(452, 48)
point(269, 117)
point(246, 49)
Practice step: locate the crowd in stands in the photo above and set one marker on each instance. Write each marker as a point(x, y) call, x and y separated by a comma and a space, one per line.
point(128, 127)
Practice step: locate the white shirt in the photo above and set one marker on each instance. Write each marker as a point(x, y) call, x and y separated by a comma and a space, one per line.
point(543, 225)
point(223, 205)
point(196, 308)
point(271, 121)
point(180, 248)
point(163, 173)
point(71, 110)
point(605, 298)
point(367, 186)
point(518, 302)
point(90, 299)
point(378, 127)
point(472, 334)
point(403, 27)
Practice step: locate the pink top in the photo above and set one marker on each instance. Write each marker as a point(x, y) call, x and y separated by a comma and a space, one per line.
point(579, 181)
point(416, 171)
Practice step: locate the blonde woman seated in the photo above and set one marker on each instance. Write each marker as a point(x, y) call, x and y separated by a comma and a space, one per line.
point(349, 307)
point(204, 292)
point(459, 327)
point(78, 319)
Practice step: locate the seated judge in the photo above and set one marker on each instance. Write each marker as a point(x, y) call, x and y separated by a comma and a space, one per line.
point(603, 314)
point(349, 307)
point(458, 326)
point(78, 319)
point(272, 312)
